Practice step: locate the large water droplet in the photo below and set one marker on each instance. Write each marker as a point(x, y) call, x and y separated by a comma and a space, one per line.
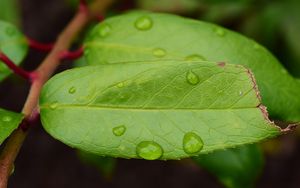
point(104, 30)
point(53, 106)
point(192, 78)
point(10, 31)
point(6, 118)
point(143, 23)
point(72, 90)
point(195, 57)
point(149, 150)
point(192, 143)
point(119, 130)
point(159, 52)
point(220, 32)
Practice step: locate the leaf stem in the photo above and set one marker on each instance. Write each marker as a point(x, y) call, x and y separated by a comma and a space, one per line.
point(42, 74)
point(13, 67)
point(39, 46)
point(71, 55)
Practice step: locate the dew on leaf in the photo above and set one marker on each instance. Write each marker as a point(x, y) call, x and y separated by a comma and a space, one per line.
point(72, 90)
point(192, 143)
point(10, 31)
point(53, 106)
point(120, 84)
point(195, 57)
point(143, 23)
point(220, 32)
point(104, 30)
point(159, 52)
point(119, 130)
point(192, 78)
point(6, 118)
point(149, 150)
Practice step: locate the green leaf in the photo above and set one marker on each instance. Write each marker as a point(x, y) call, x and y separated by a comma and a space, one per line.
point(106, 165)
point(235, 168)
point(140, 36)
point(9, 121)
point(13, 44)
point(9, 11)
point(155, 110)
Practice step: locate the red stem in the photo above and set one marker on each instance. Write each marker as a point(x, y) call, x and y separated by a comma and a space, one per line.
point(39, 46)
point(83, 6)
point(68, 55)
point(17, 70)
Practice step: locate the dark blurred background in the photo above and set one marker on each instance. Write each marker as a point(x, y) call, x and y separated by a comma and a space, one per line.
point(45, 162)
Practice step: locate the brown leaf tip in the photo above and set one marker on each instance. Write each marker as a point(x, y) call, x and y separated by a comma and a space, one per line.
point(289, 128)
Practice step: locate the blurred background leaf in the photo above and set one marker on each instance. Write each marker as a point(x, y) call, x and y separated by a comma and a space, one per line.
point(10, 11)
point(105, 165)
point(235, 168)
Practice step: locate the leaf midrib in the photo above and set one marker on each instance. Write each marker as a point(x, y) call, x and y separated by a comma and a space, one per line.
point(143, 109)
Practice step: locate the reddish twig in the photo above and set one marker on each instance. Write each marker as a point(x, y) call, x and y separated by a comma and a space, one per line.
point(100, 18)
point(83, 6)
point(39, 46)
point(13, 67)
point(71, 55)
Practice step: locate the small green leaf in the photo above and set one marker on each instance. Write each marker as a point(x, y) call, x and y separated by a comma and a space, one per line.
point(9, 121)
point(166, 109)
point(174, 37)
point(13, 44)
point(106, 165)
point(235, 168)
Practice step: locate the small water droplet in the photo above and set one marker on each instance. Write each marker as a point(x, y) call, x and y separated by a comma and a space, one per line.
point(119, 130)
point(120, 85)
point(159, 52)
point(10, 31)
point(6, 118)
point(53, 106)
point(104, 30)
point(240, 93)
point(149, 150)
point(220, 32)
point(72, 90)
point(192, 143)
point(195, 57)
point(256, 47)
point(192, 78)
point(143, 23)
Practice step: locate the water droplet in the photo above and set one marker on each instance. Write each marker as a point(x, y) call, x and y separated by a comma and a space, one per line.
point(104, 30)
point(195, 57)
point(159, 52)
point(120, 85)
point(72, 90)
point(256, 47)
point(119, 130)
point(192, 78)
point(192, 143)
point(143, 23)
point(240, 93)
point(6, 118)
point(220, 32)
point(10, 31)
point(149, 150)
point(53, 106)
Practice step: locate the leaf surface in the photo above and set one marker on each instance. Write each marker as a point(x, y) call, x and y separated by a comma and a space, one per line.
point(235, 168)
point(13, 44)
point(155, 110)
point(142, 36)
point(9, 121)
